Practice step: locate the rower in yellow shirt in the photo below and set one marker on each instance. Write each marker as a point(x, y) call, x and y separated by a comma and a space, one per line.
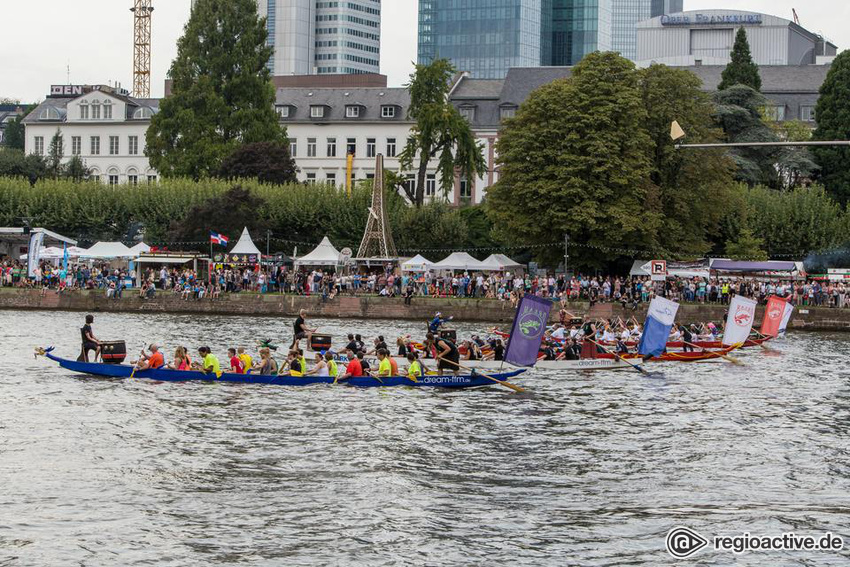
point(210, 363)
point(247, 361)
point(385, 369)
point(414, 372)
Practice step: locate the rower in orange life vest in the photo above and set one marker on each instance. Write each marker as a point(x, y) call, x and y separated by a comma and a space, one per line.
point(154, 360)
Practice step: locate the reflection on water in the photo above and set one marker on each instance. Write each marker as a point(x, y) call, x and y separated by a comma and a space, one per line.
point(588, 469)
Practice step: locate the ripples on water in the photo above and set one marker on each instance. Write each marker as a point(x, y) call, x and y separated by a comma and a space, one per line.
point(589, 469)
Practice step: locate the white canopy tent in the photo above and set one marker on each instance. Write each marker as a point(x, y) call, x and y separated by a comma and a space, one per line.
point(460, 261)
point(57, 253)
point(325, 254)
point(108, 250)
point(140, 248)
point(245, 245)
point(417, 264)
point(500, 263)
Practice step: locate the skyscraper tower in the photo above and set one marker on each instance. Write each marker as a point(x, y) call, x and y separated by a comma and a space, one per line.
point(316, 37)
point(626, 15)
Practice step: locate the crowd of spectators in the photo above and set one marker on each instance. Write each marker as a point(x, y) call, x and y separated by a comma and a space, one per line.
point(114, 280)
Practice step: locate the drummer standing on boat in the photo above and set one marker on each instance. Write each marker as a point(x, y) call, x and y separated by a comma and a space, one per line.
point(301, 330)
point(90, 342)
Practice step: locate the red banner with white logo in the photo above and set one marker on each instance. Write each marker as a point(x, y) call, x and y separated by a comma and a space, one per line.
point(773, 316)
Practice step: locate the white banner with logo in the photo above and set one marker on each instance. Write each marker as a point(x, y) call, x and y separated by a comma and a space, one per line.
point(739, 323)
point(34, 252)
point(786, 317)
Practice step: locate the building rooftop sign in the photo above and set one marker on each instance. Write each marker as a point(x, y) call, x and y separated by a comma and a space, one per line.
point(715, 19)
point(65, 91)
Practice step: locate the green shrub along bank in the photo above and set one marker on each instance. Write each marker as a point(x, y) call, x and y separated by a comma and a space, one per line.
point(91, 211)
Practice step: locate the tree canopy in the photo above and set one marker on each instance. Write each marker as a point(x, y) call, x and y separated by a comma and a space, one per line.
point(741, 70)
point(440, 132)
point(833, 118)
point(222, 94)
point(268, 162)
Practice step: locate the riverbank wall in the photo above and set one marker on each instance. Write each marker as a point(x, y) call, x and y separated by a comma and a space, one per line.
point(371, 307)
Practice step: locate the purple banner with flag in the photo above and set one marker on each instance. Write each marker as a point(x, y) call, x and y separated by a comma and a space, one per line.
point(527, 331)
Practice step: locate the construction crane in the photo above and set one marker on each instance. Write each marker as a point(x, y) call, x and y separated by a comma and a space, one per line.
point(142, 11)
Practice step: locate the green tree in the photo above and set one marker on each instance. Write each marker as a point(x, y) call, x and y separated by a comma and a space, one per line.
point(76, 169)
point(440, 131)
point(228, 214)
point(691, 186)
point(576, 160)
point(746, 246)
point(741, 70)
point(14, 163)
point(222, 94)
point(15, 136)
point(833, 117)
point(268, 162)
point(55, 155)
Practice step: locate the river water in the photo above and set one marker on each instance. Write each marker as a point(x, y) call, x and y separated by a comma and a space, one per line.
point(585, 469)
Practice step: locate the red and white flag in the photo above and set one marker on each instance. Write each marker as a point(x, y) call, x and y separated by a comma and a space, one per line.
point(773, 314)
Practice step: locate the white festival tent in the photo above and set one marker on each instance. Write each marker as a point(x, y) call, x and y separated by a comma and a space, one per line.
point(57, 253)
point(417, 264)
point(108, 250)
point(501, 263)
point(460, 261)
point(140, 248)
point(245, 245)
point(322, 255)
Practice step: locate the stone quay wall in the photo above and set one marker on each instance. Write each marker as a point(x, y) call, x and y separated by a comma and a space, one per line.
point(372, 307)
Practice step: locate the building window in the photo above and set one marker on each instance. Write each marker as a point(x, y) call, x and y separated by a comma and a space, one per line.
point(331, 147)
point(431, 185)
point(84, 111)
point(387, 112)
point(352, 112)
point(113, 145)
point(351, 147)
point(391, 147)
point(507, 112)
point(95, 145)
point(107, 110)
point(76, 145)
point(317, 112)
point(807, 113)
point(311, 178)
point(143, 113)
point(151, 179)
point(467, 112)
point(95, 110)
point(39, 145)
point(370, 147)
point(133, 145)
point(775, 113)
point(410, 184)
point(293, 147)
point(133, 179)
point(311, 147)
point(113, 179)
point(283, 111)
point(465, 189)
point(331, 178)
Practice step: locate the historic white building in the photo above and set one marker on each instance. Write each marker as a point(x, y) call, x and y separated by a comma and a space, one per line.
point(103, 125)
point(325, 125)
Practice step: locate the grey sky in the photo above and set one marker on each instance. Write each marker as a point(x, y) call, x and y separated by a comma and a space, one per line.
point(42, 37)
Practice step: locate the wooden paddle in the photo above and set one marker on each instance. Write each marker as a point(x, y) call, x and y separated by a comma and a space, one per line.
point(731, 359)
point(637, 367)
point(766, 349)
point(513, 387)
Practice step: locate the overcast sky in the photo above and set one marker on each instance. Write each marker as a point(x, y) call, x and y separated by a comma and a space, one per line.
point(41, 39)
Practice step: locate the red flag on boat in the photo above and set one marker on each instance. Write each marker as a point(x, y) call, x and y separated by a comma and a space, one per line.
point(773, 316)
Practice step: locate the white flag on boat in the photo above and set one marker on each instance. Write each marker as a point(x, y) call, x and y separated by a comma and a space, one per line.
point(739, 322)
point(786, 317)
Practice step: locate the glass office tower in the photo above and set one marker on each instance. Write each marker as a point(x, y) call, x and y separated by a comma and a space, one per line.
point(482, 37)
point(579, 27)
point(626, 15)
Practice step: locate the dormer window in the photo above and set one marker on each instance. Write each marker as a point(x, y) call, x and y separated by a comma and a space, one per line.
point(317, 112)
point(352, 112)
point(49, 113)
point(95, 110)
point(387, 112)
point(84, 110)
point(107, 110)
point(506, 112)
point(283, 111)
point(143, 113)
point(467, 112)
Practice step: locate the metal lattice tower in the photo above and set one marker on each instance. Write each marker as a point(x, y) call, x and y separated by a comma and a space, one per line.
point(378, 238)
point(142, 11)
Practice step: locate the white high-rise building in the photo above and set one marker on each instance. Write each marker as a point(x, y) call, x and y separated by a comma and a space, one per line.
point(323, 37)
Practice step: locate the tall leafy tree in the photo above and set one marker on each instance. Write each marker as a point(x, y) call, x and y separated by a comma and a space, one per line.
point(268, 162)
point(15, 136)
point(742, 70)
point(228, 214)
point(576, 160)
point(55, 154)
point(440, 131)
point(222, 94)
point(833, 117)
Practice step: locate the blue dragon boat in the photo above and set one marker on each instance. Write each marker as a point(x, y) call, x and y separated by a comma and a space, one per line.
point(168, 375)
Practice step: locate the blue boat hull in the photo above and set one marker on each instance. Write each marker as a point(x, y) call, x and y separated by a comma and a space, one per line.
point(167, 375)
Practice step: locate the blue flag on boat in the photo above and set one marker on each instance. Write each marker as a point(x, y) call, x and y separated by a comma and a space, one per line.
point(527, 331)
point(656, 330)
